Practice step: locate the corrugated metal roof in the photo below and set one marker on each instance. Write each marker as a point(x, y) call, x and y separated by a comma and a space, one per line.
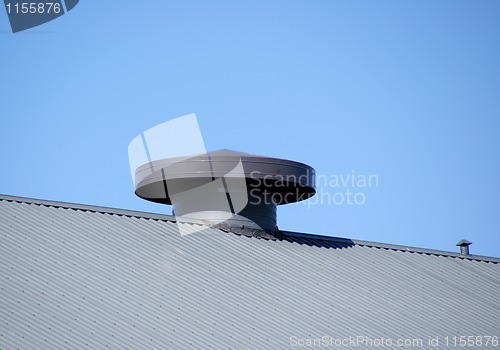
point(75, 276)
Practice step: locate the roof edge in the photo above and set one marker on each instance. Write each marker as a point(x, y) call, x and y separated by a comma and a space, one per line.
point(164, 217)
point(98, 209)
point(389, 246)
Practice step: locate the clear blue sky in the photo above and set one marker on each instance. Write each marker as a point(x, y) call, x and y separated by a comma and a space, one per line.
point(405, 90)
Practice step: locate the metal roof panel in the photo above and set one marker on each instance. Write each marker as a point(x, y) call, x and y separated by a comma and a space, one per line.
point(96, 277)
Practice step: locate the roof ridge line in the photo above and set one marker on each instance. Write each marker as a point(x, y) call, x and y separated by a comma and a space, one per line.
point(404, 248)
point(165, 217)
point(99, 209)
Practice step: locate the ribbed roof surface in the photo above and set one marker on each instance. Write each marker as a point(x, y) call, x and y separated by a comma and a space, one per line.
point(76, 277)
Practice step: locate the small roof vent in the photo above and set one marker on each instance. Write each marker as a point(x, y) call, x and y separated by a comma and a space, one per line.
point(232, 190)
point(464, 246)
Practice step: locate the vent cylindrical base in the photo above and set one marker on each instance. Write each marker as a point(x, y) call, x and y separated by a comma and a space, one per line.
point(259, 213)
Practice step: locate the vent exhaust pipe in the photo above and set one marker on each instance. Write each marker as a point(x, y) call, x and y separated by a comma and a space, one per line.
point(464, 246)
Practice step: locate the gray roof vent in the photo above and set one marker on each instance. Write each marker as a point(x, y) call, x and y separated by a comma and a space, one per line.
point(232, 190)
point(464, 246)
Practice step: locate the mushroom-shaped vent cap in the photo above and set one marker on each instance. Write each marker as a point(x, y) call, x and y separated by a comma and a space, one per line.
point(464, 243)
point(286, 181)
